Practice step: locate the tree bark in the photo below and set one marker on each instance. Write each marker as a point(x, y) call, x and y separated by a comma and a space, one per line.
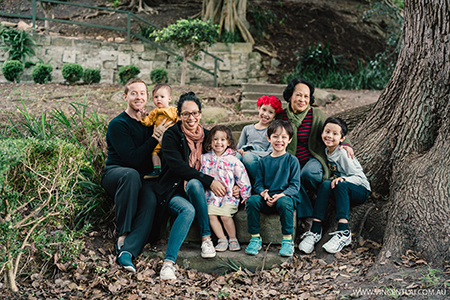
point(230, 15)
point(184, 70)
point(403, 143)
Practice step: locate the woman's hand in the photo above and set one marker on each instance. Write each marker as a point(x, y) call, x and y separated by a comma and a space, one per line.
point(218, 188)
point(158, 131)
point(336, 181)
point(349, 150)
point(240, 151)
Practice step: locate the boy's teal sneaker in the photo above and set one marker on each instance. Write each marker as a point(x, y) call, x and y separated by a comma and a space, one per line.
point(254, 246)
point(287, 248)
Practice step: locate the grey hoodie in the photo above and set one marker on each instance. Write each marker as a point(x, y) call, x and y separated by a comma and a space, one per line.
point(347, 168)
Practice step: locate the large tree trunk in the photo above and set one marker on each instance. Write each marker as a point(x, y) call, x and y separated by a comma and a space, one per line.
point(403, 143)
point(229, 14)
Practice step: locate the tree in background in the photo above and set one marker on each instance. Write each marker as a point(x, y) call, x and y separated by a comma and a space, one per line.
point(47, 7)
point(230, 15)
point(191, 36)
point(403, 142)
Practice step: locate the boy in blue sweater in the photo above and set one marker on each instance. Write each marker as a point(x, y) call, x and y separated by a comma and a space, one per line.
point(277, 185)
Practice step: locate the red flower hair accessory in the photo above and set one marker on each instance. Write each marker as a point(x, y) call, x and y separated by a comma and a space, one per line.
point(272, 101)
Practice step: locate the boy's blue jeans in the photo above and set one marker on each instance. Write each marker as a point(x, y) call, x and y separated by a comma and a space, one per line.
point(345, 194)
point(284, 207)
point(185, 211)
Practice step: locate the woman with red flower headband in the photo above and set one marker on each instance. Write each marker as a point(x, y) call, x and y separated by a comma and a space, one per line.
point(253, 142)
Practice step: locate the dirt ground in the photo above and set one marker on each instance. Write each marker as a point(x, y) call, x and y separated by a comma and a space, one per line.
point(107, 101)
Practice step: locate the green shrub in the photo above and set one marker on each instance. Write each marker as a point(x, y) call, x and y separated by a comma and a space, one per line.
point(38, 180)
point(42, 73)
point(91, 76)
point(72, 72)
point(159, 75)
point(147, 31)
point(262, 19)
point(128, 72)
point(12, 70)
point(18, 44)
point(322, 68)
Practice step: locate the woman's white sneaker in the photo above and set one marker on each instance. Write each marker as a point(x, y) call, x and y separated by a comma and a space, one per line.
point(208, 250)
point(167, 272)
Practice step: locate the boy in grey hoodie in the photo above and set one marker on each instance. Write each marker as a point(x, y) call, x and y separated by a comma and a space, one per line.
point(348, 186)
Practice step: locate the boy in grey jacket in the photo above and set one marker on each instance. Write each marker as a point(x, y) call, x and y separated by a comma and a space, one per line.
point(348, 186)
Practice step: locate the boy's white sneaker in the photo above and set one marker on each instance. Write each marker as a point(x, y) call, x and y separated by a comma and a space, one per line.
point(167, 272)
point(339, 240)
point(208, 250)
point(309, 240)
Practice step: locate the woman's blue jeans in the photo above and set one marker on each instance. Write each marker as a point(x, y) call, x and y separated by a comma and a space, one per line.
point(311, 176)
point(185, 211)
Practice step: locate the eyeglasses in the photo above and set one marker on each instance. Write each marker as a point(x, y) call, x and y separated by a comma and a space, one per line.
point(186, 114)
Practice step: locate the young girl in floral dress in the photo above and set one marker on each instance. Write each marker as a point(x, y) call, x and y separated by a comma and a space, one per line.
point(220, 162)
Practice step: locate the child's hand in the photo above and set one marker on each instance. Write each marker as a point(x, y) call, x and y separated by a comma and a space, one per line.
point(218, 188)
point(278, 196)
point(240, 151)
point(142, 113)
point(336, 181)
point(349, 150)
point(266, 196)
point(236, 192)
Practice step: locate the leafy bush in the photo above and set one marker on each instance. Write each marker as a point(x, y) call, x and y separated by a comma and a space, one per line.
point(48, 172)
point(262, 19)
point(72, 72)
point(319, 66)
point(42, 73)
point(230, 37)
point(147, 31)
point(190, 35)
point(12, 70)
point(91, 76)
point(18, 44)
point(159, 75)
point(127, 72)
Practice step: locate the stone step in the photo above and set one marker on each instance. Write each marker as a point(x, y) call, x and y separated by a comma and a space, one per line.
point(270, 228)
point(249, 112)
point(256, 95)
point(189, 257)
point(251, 105)
point(265, 88)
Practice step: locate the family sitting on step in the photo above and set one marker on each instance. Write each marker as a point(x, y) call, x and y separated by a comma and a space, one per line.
point(203, 174)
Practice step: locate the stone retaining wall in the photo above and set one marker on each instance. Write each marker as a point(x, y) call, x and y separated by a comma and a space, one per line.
point(240, 65)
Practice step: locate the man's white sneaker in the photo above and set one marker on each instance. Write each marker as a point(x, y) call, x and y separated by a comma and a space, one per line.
point(167, 272)
point(309, 240)
point(339, 240)
point(208, 250)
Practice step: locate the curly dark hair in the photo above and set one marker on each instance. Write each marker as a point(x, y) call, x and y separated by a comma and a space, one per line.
point(212, 132)
point(189, 96)
point(289, 90)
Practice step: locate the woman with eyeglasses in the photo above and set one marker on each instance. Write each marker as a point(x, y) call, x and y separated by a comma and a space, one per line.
point(182, 184)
